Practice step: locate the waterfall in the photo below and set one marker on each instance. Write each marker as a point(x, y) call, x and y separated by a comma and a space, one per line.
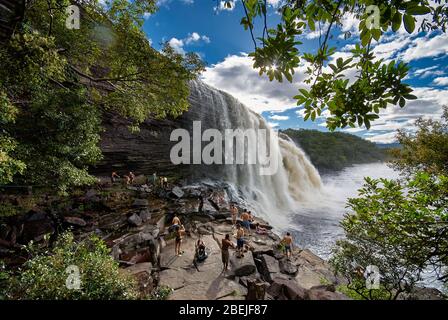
point(296, 180)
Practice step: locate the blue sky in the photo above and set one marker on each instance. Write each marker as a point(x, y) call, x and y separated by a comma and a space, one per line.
point(216, 35)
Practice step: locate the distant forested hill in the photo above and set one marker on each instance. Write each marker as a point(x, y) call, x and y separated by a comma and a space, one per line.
point(330, 151)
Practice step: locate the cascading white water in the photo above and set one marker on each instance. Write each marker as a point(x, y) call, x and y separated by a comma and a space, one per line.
point(296, 180)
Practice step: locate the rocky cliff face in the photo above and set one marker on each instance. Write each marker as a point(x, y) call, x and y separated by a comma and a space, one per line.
point(148, 151)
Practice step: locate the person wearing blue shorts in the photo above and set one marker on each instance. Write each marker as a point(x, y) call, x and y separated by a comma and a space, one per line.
point(240, 241)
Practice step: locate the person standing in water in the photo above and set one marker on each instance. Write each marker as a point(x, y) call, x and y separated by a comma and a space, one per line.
point(287, 242)
point(225, 244)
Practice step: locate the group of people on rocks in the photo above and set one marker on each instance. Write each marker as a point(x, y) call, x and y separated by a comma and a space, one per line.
point(158, 181)
point(128, 178)
point(243, 230)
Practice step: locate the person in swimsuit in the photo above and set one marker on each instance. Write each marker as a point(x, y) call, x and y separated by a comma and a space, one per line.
point(246, 223)
point(179, 234)
point(287, 242)
point(225, 245)
point(234, 213)
point(240, 240)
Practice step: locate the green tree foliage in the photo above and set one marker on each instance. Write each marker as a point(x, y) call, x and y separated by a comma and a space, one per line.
point(335, 150)
point(56, 82)
point(400, 228)
point(426, 149)
point(44, 276)
point(377, 83)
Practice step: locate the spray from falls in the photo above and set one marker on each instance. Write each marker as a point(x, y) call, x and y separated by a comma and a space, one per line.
point(272, 196)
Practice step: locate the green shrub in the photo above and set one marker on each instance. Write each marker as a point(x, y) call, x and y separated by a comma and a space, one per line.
point(45, 276)
point(161, 293)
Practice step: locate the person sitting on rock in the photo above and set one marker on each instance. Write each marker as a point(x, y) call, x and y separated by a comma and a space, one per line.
point(200, 252)
point(114, 176)
point(240, 241)
point(287, 242)
point(260, 230)
point(225, 244)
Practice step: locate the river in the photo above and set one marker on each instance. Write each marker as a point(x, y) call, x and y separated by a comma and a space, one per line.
point(316, 226)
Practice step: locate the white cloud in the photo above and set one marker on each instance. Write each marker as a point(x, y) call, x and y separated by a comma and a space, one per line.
point(349, 24)
point(177, 45)
point(319, 30)
point(426, 47)
point(273, 124)
point(389, 137)
point(236, 76)
point(441, 81)
point(428, 72)
point(191, 39)
point(188, 1)
point(278, 117)
point(223, 7)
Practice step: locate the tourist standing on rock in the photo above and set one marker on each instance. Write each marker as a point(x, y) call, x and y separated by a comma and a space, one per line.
point(114, 176)
point(246, 223)
point(240, 241)
point(180, 231)
point(154, 179)
point(225, 244)
point(131, 177)
point(287, 242)
point(234, 213)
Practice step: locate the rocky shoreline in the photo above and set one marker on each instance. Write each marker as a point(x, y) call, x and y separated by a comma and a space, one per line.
point(133, 221)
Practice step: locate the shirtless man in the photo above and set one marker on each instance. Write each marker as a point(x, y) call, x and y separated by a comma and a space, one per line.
point(287, 242)
point(240, 240)
point(246, 223)
point(225, 245)
point(114, 176)
point(131, 177)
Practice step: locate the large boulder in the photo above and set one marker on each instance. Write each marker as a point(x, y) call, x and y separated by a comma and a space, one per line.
point(36, 227)
point(423, 294)
point(243, 266)
point(287, 267)
point(135, 220)
point(177, 192)
point(145, 215)
point(283, 289)
point(140, 203)
point(268, 267)
point(75, 221)
point(219, 199)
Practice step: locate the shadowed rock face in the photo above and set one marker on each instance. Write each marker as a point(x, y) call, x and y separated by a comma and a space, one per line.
point(148, 150)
